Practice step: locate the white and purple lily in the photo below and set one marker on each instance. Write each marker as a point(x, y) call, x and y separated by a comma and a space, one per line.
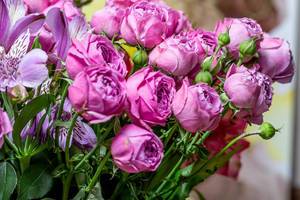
point(18, 65)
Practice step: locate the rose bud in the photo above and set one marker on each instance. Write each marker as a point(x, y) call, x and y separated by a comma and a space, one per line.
point(99, 93)
point(276, 60)
point(240, 30)
point(250, 91)
point(136, 150)
point(108, 20)
point(177, 55)
point(149, 95)
point(267, 131)
point(5, 126)
point(204, 77)
point(140, 58)
point(224, 39)
point(94, 50)
point(197, 107)
point(148, 24)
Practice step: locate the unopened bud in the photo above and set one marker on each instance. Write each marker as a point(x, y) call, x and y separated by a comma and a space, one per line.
point(206, 64)
point(224, 39)
point(204, 77)
point(267, 131)
point(248, 48)
point(18, 93)
point(140, 58)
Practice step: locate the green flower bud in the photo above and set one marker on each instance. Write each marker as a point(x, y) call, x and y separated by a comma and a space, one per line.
point(224, 39)
point(224, 98)
point(140, 58)
point(248, 48)
point(206, 64)
point(204, 77)
point(267, 131)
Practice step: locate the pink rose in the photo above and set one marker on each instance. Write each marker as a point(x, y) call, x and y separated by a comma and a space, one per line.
point(197, 107)
point(99, 93)
point(35, 6)
point(276, 60)
point(240, 30)
point(127, 3)
point(177, 55)
point(108, 20)
point(94, 50)
point(136, 150)
point(5, 126)
point(249, 90)
point(150, 94)
point(148, 24)
point(68, 8)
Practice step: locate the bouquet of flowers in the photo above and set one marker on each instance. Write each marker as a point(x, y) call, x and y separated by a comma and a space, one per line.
point(135, 104)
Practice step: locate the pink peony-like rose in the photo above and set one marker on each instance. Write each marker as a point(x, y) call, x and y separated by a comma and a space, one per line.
point(150, 95)
point(197, 107)
point(136, 150)
point(276, 60)
point(98, 92)
point(148, 24)
point(108, 20)
point(94, 50)
point(240, 30)
point(5, 126)
point(35, 6)
point(177, 55)
point(249, 90)
point(126, 3)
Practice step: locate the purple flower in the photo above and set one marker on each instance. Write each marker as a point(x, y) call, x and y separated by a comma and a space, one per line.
point(99, 92)
point(240, 30)
point(94, 50)
point(17, 67)
point(40, 5)
point(149, 95)
point(136, 150)
point(148, 24)
point(197, 107)
point(108, 20)
point(5, 126)
point(276, 59)
point(249, 90)
point(177, 55)
point(82, 136)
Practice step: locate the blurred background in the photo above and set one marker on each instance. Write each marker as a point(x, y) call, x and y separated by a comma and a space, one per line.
point(268, 166)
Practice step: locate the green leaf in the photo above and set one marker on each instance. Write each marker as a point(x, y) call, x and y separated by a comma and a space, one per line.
point(8, 180)
point(35, 183)
point(29, 112)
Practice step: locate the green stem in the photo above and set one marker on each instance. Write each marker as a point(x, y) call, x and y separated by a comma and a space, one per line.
point(204, 137)
point(24, 163)
point(66, 186)
point(70, 131)
point(235, 140)
point(178, 164)
point(8, 105)
point(119, 186)
point(11, 145)
point(97, 174)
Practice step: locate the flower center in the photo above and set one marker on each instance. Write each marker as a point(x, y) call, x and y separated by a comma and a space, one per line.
point(163, 97)
point(151, 152)
point(107, 87)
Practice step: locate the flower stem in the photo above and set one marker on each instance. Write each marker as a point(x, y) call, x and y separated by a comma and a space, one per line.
point(204, 137)
point(11, 145)
point(66, 186)
point(70, 131)
point(24, 163)
point(94, 180)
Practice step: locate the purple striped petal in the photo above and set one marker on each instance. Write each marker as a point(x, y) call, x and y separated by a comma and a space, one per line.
point(32, 22)
point(32, 69)
point(16, 10)
point(4, 22)
point(57, 23)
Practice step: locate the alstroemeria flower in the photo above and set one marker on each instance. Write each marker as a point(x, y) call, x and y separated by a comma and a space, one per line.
point(17, 65)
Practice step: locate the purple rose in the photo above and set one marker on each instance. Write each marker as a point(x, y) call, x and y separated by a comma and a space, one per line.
point(98, 92)
point(148, 24)
point(249, 90)
point(240, 30)
point(94, 50)
point(108, 20)
point(177, 55)
point(197, 107)
point(126, 3)
point(149, 96)
point(276, 60)
point(39, 6)
point(5, 126)
point(136, 150)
